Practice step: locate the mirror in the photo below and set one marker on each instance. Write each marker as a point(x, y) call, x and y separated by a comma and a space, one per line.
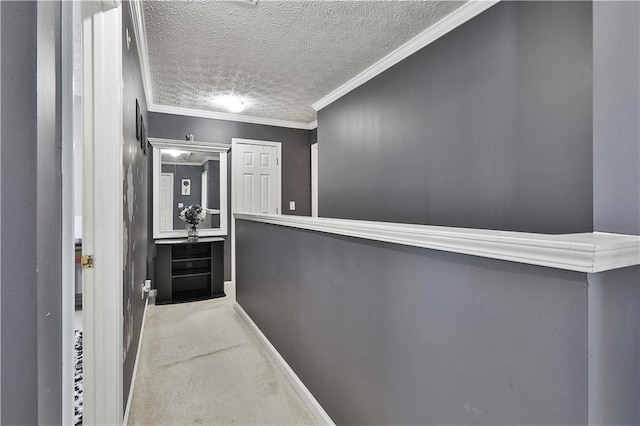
point(185, 174)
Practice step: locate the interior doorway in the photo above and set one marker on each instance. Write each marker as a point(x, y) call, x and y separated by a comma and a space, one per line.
point(92, 212)
point(256, 183)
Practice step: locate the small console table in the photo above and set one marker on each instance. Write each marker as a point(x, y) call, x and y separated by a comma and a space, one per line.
point(187, 271)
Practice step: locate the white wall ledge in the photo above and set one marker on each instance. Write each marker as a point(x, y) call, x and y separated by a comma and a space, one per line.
point(589, 252)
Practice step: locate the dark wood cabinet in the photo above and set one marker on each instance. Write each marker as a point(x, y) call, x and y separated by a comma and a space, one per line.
point(189, 271)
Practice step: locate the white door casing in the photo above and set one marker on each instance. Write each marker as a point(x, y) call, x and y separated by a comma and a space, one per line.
point(314, 180)
point(166, 201)
point(238, 147)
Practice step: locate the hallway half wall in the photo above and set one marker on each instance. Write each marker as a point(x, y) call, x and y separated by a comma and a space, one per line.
point(396, 333)
point(388, 334)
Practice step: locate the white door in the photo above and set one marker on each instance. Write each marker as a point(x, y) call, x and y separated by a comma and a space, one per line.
point(166, 201)
point(256, 177)
point(102, 226)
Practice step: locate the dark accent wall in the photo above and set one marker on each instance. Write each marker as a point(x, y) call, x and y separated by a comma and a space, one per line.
point(387, 334)
point(614, 347)
point(616, 116)
point(488, 127)
point(136, 201)
point(31, 213)
point(296, 156)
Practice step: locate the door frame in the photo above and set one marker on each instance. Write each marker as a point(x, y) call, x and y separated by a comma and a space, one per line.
point(69, 122)
point(102, 234)
point(314, 180)
point(234, 168)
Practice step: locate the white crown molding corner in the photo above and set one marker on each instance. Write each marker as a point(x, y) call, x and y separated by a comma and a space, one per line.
point(137, 17)
point(591, 252)
point(313, 125)
point(166, 109)
point(450, 22)
point(307, 397)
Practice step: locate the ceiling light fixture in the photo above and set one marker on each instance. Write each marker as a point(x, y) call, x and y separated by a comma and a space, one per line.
point(173, 152)
point(232, 103)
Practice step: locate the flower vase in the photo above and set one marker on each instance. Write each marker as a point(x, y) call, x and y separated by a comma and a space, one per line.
point(192, 232)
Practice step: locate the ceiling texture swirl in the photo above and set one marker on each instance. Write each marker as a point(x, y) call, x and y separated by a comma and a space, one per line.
point(279, 57)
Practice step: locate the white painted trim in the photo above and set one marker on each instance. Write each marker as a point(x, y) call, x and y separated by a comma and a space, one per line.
point(68, 235)
point(450, 22)
point(307, 397)
point(313, 125)
point(314, 180)
point(589, 252)
point(135, 365)
point(182, 163)
point(161, 143)
point(228, 116)
point(102, 234)
point(137, 16)
point(235, 142)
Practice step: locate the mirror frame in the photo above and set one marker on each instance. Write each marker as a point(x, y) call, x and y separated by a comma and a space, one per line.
point(221, 148)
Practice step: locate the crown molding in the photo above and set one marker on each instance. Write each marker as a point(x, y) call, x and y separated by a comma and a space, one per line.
point(137, 17)
point(590, 252)
point(313, 125)
point(166, 109)
point(450, 22)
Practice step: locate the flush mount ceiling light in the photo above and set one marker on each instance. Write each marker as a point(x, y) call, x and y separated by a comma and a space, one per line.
point(232, 103)
point(173, 152)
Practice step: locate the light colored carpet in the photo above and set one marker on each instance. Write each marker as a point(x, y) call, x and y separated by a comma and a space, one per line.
point(200, 364)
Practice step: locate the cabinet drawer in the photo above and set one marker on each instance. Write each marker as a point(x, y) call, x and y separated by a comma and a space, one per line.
point(192, 266)
point(192, 283)
point(191, 251)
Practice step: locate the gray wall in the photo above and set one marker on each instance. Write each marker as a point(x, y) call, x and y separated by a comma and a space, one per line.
point(30, 187)
point(386, 334)
point(616, 116)
point(136, 202)
point(296, 156)
point(488, 127)
point(614, 347)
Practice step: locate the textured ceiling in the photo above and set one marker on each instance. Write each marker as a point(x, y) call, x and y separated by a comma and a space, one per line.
point(281, 56)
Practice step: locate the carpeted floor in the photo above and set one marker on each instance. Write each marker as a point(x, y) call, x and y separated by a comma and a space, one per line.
point(200, 364)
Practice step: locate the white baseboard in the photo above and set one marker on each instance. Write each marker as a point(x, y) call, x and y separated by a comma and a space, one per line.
point(135, 365)
point(292, 377)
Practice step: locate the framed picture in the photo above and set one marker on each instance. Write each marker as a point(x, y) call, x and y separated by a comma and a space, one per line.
point(186, 186)
point(138, 124)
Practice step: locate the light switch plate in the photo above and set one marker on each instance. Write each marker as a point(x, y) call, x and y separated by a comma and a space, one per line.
point(180, 205)
point(292, 205)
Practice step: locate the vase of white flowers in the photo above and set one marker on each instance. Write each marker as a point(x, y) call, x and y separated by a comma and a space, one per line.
point(192, 215)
